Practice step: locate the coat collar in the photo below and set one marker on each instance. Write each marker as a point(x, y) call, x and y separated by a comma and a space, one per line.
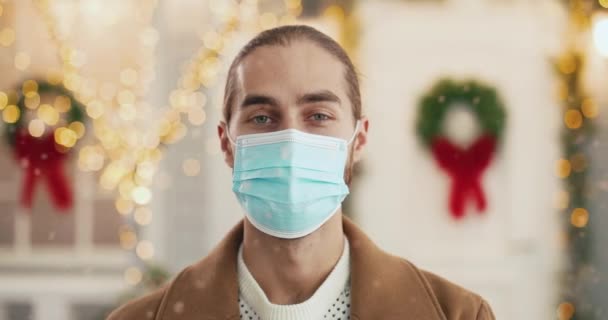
point(382, 286)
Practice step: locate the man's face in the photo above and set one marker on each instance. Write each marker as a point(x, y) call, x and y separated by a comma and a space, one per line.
point(300, 86)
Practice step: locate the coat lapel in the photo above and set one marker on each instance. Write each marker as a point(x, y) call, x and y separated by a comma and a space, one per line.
point(382, 286)
point(207, 290)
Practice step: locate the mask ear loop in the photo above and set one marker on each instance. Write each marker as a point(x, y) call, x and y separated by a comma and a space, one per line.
point(355, 133)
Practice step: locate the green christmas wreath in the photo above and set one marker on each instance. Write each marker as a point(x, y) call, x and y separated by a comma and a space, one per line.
point(75, 112)
point(464, 165)
point(42, 157)
point(481, 99)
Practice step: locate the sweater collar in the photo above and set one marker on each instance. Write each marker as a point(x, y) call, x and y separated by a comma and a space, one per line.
point(383, 286)
point(313, 308)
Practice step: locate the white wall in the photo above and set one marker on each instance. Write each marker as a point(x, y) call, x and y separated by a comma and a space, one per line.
point(508, 254)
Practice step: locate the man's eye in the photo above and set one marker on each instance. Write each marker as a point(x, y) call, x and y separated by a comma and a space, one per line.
point(261, 119)
point(320, 117)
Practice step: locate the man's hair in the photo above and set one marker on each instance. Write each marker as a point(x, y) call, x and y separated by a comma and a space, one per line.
point(283, 36)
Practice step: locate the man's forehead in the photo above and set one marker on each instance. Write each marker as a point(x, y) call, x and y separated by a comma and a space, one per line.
point(300, 65)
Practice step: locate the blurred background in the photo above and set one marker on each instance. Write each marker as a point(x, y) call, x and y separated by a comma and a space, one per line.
point(112, 180)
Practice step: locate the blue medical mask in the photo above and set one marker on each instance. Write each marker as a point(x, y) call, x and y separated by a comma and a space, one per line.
point(290, 182)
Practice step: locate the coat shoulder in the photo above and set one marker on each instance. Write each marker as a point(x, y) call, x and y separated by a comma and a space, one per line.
point(455, 301)
point(145, 307)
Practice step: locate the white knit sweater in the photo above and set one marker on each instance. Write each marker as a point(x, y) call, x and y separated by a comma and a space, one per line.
point(330, 301)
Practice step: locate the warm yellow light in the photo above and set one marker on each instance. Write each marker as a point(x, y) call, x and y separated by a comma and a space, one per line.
point(22, 61)
point(62, 104)
point(563, 168)
point(7, 37)
point(567, 64)
point(48, 114)
point(600, 35)
point(197, 116)
point(128, 239)
point(590, 108)
point(29, 87)
point(11, 114)
point(128, 77)
point(112, 175)
point(125, 188)
point(142, 216)
point(151, 140)
point(573, 119)
point(146, 170)
point(141, 195)
point(91, 158)
point(77, 127)
point(65, 52)
point(164, 127)
point(334, 12)
point(155, 155)
point(181, 99)
point(32, 100)
point(54, 77)
point(130, 136)
point(72, 81)
point(579, 217)
point(191, 167)
point(565, 311)
point(36, 128)
point(65, 137)
point(124, 206)
point(210, 65)
point(127, 112)
point(176, 133)
point(212, 40)
point(110, 140)
point(133, 276)
point(95, 109)
point(3, 100)
point(292, 4)
point(77, 58)
point(200, 99)
point(145, 250)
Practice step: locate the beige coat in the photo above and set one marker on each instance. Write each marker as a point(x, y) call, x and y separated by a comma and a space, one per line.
point(383, 286)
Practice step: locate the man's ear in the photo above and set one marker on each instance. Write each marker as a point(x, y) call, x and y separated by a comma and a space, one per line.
point(361, 139)
point(225, 144)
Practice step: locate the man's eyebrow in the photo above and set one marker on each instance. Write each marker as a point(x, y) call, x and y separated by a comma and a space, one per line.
point(319, 96)
point(257, 99)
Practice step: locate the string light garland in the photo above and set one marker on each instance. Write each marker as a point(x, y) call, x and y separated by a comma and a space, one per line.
point(126, 156)
point(132, 169)
point(127, 151)
point(577, 137)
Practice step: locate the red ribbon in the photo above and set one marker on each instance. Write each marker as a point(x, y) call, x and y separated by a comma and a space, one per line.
point(465, 167)
point(41, 159)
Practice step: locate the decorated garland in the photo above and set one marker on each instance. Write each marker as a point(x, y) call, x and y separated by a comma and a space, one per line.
point(42, 157)
point(464, 165)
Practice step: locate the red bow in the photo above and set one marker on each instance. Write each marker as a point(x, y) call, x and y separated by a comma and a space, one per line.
point(465, 167)
point(40, 158)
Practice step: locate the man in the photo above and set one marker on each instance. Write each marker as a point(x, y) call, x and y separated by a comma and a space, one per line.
point(293, 130)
